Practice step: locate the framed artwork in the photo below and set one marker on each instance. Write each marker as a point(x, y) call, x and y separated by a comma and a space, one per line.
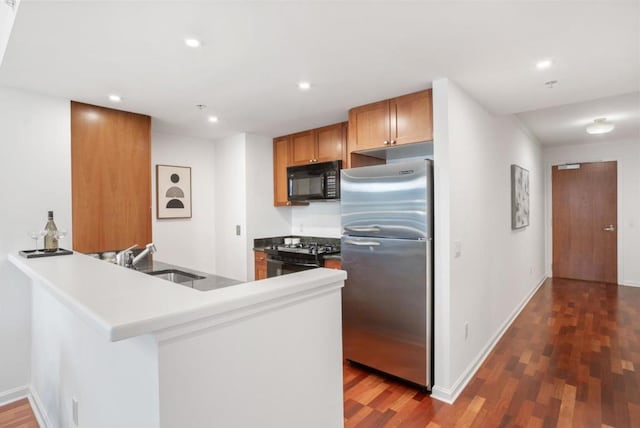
point(519, 197)
point(173, 191)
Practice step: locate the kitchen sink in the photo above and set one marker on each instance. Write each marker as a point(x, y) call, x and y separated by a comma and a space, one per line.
point(175, 275)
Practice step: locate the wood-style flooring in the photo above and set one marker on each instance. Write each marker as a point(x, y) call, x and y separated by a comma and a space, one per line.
point(570, 359)
point(17, 415)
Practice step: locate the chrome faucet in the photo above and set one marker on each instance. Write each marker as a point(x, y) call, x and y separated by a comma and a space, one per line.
point(133, 261)
point(122, 256)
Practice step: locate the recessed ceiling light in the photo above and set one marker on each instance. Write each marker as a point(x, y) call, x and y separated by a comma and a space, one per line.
point(115, 98)
point(600, 126)
point(541, 65)
point(213, 119)
point(191, 42)
point(304, 86)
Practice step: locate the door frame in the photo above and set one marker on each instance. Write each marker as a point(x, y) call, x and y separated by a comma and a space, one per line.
point(548, 224)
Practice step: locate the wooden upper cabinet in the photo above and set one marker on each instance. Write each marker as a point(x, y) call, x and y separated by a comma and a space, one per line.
point(303, 148)
point(411, 118)
point(110, 178)
point(331, 142)
point(402, 120)
point(318, 145)
point(281, 155)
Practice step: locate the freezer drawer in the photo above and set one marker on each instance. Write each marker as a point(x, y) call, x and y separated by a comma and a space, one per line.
point(386, 301)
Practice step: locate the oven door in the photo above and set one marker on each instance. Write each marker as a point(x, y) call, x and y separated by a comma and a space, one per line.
point(278, 267)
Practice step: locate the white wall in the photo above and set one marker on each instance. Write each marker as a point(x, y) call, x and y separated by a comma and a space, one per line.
point(231, 207)
point(263, 219)
point(36, 175)
point(320, 219)
point(115, 384)
point(627, 153)
point(498, 268)
point(187, 242)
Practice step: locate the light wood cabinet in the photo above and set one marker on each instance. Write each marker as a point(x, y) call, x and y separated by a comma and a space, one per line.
point(314, 145)
point(333, 264)
point(318, 145)
point(260, 265)
point(401, 120)
point(110, 178)
point(281, 155)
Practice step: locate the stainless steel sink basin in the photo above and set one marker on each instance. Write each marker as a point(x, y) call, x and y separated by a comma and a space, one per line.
point(175, 275)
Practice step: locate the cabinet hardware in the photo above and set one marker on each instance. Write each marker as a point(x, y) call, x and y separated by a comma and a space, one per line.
point(610, 228)
point(386, 143)
point(393, 141)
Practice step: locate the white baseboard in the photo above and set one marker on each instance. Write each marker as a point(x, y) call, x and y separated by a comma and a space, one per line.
point(630, 284)
point(38, 409)
point(449, 395)
point(14, 394)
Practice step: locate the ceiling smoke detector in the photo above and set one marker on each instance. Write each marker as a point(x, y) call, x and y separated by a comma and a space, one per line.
point(600, 126)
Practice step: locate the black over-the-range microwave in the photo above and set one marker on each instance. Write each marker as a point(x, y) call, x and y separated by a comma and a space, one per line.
point(314, 182)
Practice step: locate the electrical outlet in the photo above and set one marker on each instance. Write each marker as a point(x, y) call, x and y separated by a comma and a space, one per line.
point(466, 330)
point(457, 248)
point(74, 410)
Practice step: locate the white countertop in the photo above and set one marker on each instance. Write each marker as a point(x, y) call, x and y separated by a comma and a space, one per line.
point(123, 303)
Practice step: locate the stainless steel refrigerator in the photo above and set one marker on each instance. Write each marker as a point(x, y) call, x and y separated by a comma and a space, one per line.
point(387, 251)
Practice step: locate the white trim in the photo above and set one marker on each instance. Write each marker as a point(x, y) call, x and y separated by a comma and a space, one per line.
point(38, 409)
point(630, 283)
point(14, 394)
point(449, 395)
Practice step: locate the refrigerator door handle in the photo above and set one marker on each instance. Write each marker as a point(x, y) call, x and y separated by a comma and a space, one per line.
point(363, 243)
point(362, 229)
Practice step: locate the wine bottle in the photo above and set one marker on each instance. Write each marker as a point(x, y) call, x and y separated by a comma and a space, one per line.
point(50, 239)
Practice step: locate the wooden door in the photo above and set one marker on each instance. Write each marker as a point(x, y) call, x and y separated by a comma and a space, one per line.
point(110, 178)
point(281, 153)
point(369, 126)
point(411, 118)
point(303, 148)
point(585, 222)
point(330, 143)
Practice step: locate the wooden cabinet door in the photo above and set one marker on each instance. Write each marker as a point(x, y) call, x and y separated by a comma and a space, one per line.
point(369, 126)
point(330, 143)
point(260, 265)
point(281, 154)
point(110, 178)
point(303, 148)
point(411, 118)
point(333, 264)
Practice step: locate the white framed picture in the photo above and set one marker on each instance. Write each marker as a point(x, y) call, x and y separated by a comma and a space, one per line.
point(519, 197)
point(173, 191)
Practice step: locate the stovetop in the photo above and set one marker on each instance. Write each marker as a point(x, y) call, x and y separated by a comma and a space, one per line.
point(307, 248)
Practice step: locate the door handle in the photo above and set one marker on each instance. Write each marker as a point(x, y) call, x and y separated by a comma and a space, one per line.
point(610, 228)
point(362, 229)
point(363, 243)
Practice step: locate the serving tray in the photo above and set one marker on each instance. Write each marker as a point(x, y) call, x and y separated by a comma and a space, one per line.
point(32, 254)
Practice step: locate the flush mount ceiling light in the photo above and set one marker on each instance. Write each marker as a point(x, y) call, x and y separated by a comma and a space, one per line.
point(600, 126)
point(546, 63)
point(115, 98)
point(304, 86)
point(191, 42)
point(213, 119)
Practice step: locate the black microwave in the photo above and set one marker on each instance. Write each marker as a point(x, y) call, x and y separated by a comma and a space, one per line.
point(314, 182)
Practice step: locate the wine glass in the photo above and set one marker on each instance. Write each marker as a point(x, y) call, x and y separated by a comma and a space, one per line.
point(35, 235)
point(60, 234)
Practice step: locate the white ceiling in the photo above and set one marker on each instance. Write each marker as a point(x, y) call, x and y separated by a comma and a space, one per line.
point(255, 52)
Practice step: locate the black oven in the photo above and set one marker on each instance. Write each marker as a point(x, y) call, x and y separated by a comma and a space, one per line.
point(315, 181)
point(277, 267)
point(284, 259)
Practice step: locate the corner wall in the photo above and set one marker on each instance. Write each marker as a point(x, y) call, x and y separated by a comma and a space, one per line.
point(627, 153)
point(498, 268)
point(35, 169)
point(187, 242)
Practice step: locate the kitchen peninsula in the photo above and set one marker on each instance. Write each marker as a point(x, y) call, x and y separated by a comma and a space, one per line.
point(116, 347)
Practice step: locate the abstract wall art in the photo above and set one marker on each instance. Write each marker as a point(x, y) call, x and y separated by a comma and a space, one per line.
point(519, 197)
point(173, 191)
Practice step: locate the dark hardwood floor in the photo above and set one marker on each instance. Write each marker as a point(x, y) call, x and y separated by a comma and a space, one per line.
point(568, 360)
point(17, 415)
